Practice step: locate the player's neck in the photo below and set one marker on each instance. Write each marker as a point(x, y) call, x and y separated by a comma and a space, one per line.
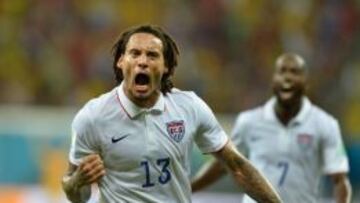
point(287, 112)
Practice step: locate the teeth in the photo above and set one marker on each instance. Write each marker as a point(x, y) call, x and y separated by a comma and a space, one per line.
point(286, 86)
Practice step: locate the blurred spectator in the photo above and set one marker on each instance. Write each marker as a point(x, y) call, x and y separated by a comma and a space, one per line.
point(57, 52)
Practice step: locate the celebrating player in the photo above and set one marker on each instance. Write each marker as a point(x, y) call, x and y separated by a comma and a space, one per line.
point(135, 141)
point(290, 140)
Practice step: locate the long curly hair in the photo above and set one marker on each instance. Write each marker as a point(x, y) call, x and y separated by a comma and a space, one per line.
point(170, 52)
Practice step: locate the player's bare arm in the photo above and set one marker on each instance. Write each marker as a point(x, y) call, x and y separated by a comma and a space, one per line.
point(207, 175)
point(342, 187)
point(249, 178)
point(76, 183)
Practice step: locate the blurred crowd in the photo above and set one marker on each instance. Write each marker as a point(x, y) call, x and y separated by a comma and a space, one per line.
point(58, 52)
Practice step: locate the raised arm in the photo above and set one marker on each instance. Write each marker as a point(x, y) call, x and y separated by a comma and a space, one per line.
point(246, 175)
point(207, 175)
point(78, 179)
point(342, 187)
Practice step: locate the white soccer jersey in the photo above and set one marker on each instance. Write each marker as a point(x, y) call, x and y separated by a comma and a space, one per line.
point(146, 152)
point(292, 157)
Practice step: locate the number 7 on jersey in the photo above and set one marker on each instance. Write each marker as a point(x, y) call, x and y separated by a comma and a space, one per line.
point(284, 166)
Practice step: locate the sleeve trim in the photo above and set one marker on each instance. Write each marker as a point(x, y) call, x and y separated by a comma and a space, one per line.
point(74, 161)
point(341, 168)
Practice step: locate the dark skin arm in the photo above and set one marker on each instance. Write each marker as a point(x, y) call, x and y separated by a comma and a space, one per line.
point(342, 187)
point(78, 179)
point(246, 175)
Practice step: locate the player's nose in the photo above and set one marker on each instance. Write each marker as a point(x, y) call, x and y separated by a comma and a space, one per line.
point(287, 76)
point(143, 61)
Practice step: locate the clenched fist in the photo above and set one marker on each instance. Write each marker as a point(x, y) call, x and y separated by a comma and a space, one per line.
point(90, 170)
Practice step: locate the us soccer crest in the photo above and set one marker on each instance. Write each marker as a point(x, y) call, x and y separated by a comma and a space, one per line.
point(176, 130)
point(304, 140)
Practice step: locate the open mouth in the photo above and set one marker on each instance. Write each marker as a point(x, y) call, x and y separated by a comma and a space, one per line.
point(286, 93)
point(142, 79)
point(142, 82)
point(286, 90)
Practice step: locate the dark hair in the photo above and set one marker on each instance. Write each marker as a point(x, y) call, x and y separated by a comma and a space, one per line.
point(170, 52)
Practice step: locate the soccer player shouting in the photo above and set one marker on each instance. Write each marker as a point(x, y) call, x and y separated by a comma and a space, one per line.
point(290, 140)
point(135, 141)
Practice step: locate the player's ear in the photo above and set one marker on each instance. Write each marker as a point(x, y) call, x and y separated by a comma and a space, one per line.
point(166, 70)
point(119, 62)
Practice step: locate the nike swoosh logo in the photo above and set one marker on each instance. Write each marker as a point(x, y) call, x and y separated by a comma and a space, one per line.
point(115, 140)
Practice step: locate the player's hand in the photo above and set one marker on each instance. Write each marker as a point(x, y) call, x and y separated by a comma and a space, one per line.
point(90, 170)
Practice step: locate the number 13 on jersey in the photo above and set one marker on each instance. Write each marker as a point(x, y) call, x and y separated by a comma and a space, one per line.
point(165, 175)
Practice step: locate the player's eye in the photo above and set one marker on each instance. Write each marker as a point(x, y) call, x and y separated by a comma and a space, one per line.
point(296, 71)
point(134, 53)
point(281, 70)
point(153, 54)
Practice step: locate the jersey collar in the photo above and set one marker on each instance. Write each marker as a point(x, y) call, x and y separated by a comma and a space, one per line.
point(132, 110)
point(269, 110)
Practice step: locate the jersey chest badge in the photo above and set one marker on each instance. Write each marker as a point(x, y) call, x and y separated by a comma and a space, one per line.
point(304, 140)
point(176, 130)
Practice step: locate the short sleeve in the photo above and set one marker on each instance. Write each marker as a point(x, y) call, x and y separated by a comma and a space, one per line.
point(238, 133)
point(333, 150)
point(83, 141)
point(210, 136)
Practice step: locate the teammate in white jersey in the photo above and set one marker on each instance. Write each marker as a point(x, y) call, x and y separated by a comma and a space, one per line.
point(135, 141)
point(290, 140)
